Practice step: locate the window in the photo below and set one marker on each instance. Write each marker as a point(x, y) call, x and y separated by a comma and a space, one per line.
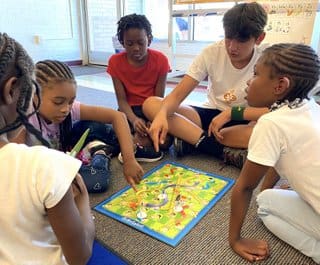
point(157, 12)
point(204, 21)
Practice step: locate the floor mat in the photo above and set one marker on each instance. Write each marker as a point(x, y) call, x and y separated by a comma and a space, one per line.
point(104, 256)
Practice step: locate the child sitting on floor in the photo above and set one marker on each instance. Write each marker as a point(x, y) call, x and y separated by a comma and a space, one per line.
point(44, 217)
point(61, 120)
point(227, 64)
point(138, 73)
point(283, 77)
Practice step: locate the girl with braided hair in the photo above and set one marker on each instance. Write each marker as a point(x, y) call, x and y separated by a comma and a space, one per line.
point(62, 120)
point(44, 204)
point(283, 77)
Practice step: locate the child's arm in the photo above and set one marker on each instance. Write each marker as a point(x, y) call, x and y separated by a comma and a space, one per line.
point(159, 127)
point(73, 225)
point(161, 86)
point(139, 124)
point(250, 249)
point(247, 113)
point(132, 170)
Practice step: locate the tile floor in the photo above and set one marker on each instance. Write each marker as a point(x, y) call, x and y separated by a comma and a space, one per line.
point(102, 81)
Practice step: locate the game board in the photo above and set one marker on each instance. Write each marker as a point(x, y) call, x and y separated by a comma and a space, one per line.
point(170, 200)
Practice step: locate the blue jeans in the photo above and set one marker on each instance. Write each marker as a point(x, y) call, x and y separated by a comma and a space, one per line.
point(291, 219)
point(96, 174)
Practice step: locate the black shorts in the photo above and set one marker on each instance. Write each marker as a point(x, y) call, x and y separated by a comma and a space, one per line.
point(137, 110)
point(206, 116)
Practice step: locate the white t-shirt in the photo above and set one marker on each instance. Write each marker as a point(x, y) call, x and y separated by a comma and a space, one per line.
point(289, 140)
point(51, 131)
point(226, 84)
point(32, 179)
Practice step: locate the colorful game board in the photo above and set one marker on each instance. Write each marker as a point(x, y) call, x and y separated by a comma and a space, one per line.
point(170, 200)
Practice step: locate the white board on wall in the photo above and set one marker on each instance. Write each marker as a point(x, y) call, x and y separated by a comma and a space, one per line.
point(56, 22)
point(50, 20)
point(290, 20)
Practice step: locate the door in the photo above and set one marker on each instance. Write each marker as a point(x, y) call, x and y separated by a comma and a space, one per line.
point(102, 17)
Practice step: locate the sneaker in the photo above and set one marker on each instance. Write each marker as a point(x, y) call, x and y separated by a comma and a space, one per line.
point(97, 146)
point(144, 154)
point(234, 156)
point(167, 143)
point(181, 147)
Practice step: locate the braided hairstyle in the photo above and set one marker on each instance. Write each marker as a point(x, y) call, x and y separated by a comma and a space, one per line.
point(244, 21)
point(133, 21)
point(50, 72)
point(15, 62)
point(298, 62)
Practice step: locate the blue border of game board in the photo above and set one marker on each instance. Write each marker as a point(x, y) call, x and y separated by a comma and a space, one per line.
point(139, 226)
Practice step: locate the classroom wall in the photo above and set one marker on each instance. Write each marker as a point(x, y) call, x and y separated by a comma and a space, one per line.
point(51, 29)
point(48, 29)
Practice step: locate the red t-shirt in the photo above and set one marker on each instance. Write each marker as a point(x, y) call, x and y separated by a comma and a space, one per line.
point(139, 82)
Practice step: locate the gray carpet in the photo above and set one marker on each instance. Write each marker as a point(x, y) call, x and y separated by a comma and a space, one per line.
point(206, 243)
point(96, 97)
point(87, 69)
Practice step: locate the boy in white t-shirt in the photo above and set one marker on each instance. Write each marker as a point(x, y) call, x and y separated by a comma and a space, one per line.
point(228, 64)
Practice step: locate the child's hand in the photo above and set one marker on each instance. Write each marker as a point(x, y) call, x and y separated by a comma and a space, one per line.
point(133, 172)
point(158, 130)
point(218, 122)
point(140, 127)
point(251, 249)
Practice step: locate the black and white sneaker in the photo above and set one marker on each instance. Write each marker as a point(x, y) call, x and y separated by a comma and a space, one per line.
point(145, 154)
point(182, 148)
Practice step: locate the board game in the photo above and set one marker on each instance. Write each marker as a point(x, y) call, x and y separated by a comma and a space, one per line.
point(170, 200)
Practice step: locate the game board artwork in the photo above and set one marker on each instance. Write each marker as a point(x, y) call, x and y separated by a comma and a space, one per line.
point(171, 199)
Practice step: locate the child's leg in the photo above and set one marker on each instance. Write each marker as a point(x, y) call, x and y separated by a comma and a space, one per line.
point(98, 131)
point(236, 136)
point(291, 219)
point(96, 174)
point(184, 124)
point(145, 140)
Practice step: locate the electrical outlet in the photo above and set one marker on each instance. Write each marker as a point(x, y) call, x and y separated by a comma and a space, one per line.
point(36, 39)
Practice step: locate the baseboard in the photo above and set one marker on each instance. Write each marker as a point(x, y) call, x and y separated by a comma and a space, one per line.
point(73, 63)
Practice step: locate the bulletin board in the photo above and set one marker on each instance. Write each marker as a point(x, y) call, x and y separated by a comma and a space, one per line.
point(177, 2)
point(290, 21)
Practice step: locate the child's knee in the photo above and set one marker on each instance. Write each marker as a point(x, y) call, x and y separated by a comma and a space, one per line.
point(264, 198)
point(150, 106)
point(97, 174)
